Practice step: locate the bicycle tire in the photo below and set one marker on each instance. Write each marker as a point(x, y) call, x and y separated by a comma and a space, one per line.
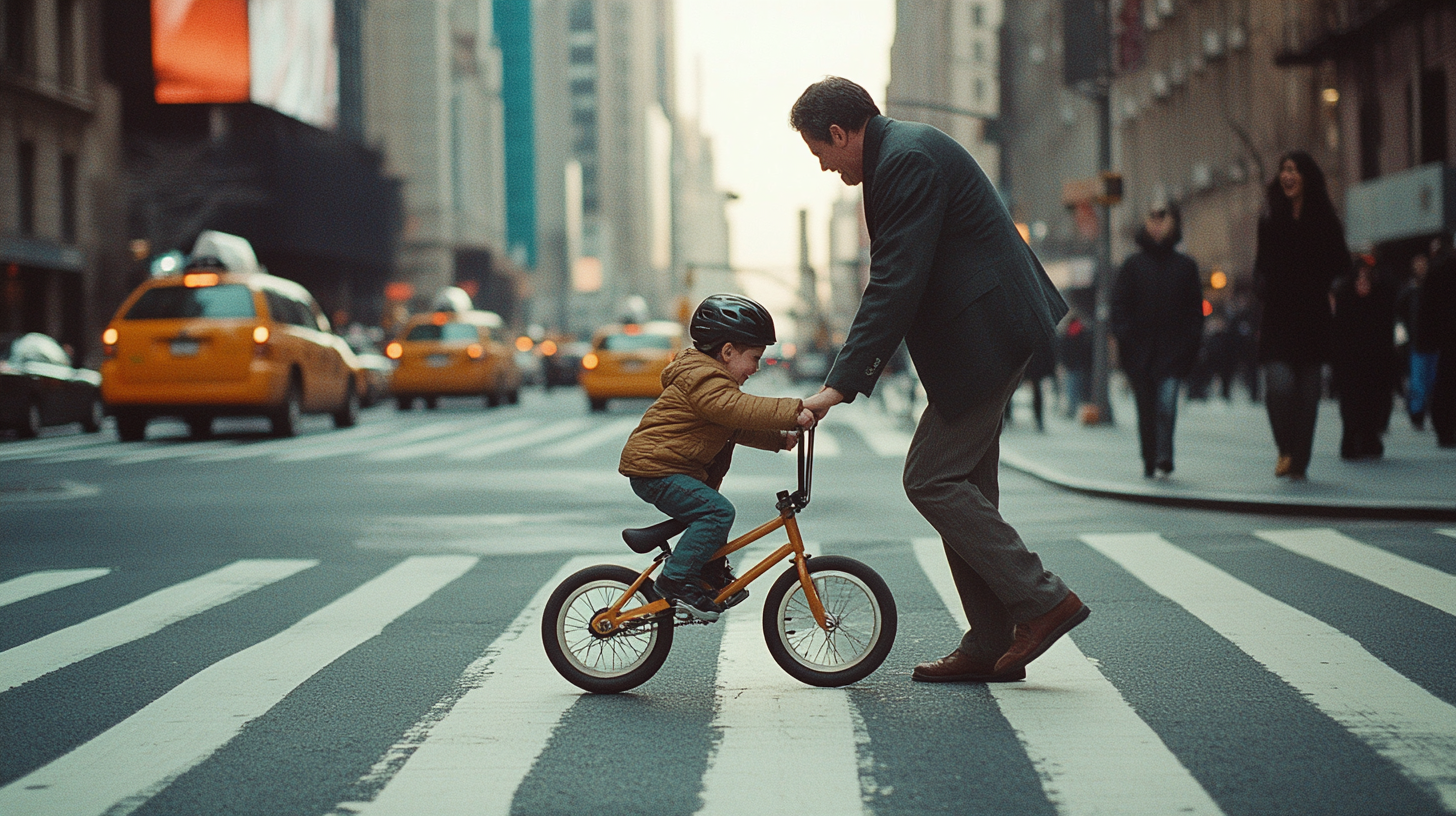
point(861, 606)
point(602, 665)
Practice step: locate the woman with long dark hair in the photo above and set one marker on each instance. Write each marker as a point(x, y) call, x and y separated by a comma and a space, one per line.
point(1301, 251)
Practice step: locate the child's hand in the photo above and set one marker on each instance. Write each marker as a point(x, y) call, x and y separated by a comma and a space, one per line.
point(791, 439)
point(806, 418)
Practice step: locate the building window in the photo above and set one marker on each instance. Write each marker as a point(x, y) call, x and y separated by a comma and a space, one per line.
point(66, 41)
point(25, 188)
point(583, 55)
point(69, 201)
point(19, 25)
point(583, 86)
point(1433, 116)
point(978, 15)
point(580, 16)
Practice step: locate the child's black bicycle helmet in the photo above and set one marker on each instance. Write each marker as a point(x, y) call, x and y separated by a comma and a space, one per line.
point(734, 319)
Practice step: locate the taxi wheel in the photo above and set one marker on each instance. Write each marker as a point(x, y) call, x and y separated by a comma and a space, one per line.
point(131, 428)
point(513, 396)
point(95, 415)
point(348, 415)
point(404, 403)
point(30, 424)
point(598, 405)
point(432, 403)
point(200, 427)
point(492, 399)
point(286, 418)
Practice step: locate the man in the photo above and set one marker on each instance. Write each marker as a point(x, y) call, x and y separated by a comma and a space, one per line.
point(1157, 318)
point(950, 275)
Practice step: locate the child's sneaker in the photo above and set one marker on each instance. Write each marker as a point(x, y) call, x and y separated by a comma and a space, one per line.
point(717, 575)
point(688, 598)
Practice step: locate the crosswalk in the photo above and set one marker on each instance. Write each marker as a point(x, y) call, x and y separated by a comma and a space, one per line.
point(782, 746)
point(405, 438)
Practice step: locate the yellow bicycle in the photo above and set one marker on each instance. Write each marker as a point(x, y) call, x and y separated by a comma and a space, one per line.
point(828, 620)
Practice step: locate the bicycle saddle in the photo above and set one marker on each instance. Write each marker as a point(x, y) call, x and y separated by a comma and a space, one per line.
point(647, 539)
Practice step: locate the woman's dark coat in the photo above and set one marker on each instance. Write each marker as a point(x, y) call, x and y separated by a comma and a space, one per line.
point(1157, 312)
point(1296, 261)
point(949, 274)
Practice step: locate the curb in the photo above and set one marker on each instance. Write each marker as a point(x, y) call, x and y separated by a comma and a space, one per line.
point(1229, 502)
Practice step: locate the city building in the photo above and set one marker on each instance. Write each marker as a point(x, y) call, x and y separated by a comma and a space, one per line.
point(1391, 116)
point(603, 81)
point(432, 77)
point(62, 210)
point(700, 220)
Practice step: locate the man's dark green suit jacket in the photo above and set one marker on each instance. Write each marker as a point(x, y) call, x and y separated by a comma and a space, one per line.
point(949, 274)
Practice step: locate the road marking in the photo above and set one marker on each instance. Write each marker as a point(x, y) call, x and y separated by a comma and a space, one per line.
point(470, 753)
point(36, 448)
point(1451, 533)
point(1094, 754)
point(883, 438)
point(129, 763)
point(1401, 721)
point(552, 431)
point(43, 581)
point(616, 431)
point(294, 444)
point(1426, 584)
point(140, 618)
point(348, 447)
point(789, 746)
point(452, 442)
point(172, 450)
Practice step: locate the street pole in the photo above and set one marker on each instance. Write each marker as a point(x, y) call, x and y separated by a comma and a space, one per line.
point(1102, 287)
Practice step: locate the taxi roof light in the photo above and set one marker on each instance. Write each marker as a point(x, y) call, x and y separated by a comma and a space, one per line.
point(195, 280)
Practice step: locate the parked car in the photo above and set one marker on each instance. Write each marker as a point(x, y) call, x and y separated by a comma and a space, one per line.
point(39, 387)
point(374, 369)
point(627, 361)
point(453, 353)
point(210, 342)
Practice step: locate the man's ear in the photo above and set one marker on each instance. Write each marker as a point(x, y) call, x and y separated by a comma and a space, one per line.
point(838, 136)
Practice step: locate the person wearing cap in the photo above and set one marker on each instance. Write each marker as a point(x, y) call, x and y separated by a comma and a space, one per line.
point(951, 276)
point(680, 451)
point(1157, 318)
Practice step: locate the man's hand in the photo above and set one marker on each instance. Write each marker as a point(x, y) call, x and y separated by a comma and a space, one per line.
point(806, 418)
point(821, 402)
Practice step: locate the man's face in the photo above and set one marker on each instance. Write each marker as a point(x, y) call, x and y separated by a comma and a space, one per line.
point(842, 154)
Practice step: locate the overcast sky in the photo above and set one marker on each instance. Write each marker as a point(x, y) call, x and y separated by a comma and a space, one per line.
point(756, 57)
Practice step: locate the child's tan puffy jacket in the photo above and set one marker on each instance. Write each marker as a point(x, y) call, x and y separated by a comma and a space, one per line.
point(700, 411)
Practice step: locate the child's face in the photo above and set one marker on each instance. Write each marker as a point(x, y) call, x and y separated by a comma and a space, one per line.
point(742, 361)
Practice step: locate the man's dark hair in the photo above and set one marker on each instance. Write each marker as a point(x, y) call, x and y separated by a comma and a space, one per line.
point(832, 101)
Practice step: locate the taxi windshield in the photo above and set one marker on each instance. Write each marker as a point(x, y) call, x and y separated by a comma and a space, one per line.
point(634, 342)
point(448, 331)
point(170, 302)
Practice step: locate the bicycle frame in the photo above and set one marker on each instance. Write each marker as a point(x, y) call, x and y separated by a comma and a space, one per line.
point(789, 505)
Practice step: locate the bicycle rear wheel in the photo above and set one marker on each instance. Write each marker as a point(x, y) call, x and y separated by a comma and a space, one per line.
point(602, 665)
point(862, 622)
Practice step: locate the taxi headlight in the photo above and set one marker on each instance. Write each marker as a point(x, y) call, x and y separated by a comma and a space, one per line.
point(589, 362)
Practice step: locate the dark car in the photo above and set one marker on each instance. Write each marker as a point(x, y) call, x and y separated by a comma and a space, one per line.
point(563, 361)
point(39, 387)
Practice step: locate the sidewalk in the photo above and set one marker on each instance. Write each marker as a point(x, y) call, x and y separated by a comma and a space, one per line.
point(1224, 456)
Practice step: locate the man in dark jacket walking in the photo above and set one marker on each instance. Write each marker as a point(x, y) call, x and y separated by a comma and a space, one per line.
point(1157, 318)
point(950, 275)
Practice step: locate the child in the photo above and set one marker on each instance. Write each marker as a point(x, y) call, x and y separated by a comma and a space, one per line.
point(681, 450)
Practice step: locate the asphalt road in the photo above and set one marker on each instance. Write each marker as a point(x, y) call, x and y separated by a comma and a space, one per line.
point(346, 622)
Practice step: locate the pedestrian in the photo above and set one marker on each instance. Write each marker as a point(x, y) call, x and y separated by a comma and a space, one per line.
point(1157, 318)
point(1421, 361)
point(679, 453)
point(1363, 358)
point(1041, 366)
point(1074, 349)
point(1437, 327)
point(1300, 252)
point(951, 276)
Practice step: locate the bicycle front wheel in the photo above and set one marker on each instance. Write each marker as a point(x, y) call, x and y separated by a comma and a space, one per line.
point(861, 622)
point(600, 664)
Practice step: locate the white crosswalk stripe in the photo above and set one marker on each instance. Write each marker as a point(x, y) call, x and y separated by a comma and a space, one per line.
point(1093, 753)
point(1426, 584)
point(615, 432)
point(498, 446)
point(452, 442)
point(43, 581)
point(132, 761)
point(1401, 721)
point(793, 746)
point(38, 448)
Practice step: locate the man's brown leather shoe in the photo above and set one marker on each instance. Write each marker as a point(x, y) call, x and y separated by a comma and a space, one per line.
point(958, 667)
point(1031, 639)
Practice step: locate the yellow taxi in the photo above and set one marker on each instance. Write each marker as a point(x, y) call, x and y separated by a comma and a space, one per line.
point(627, 361)
point(454, 353)
point(209, 342)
